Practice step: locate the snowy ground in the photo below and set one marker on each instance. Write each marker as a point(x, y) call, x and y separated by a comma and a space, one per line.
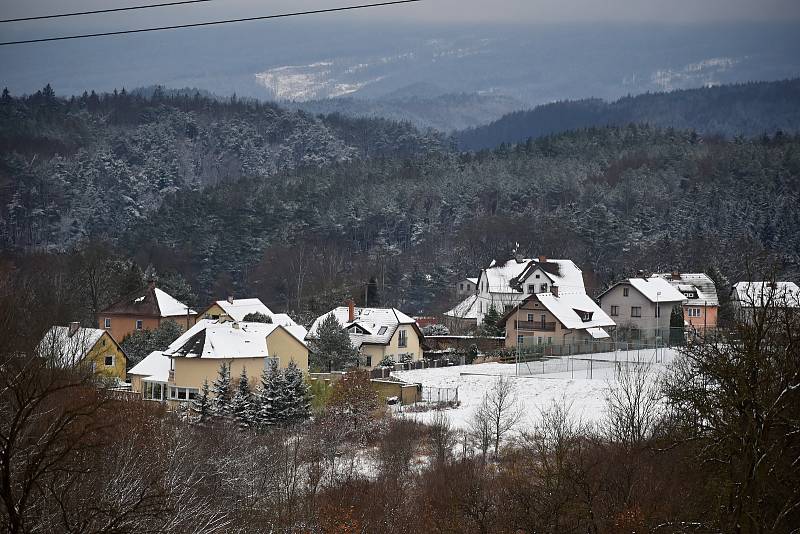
point(569, 381)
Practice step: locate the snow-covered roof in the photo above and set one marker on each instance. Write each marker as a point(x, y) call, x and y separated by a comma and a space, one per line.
point(597, 333)
point(466, 309)
point(656, 289)
point(228, 339)
point(760, 293)
point(154, 368)
point(378, 324)
point(503, 278)
point(149, 301)
point(67, 349)
point(237, 309)
point(693, 283)
point(169, 305)
point(566, 307)
point(473, 280)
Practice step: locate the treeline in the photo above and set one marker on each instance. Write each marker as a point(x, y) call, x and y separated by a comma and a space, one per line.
point(747, 110)
point(614, 200)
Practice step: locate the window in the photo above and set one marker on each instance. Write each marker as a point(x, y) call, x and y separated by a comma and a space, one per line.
point(530, 317)
point(625, 291)
point(614, 311)
point(461, 287)
point(153, 391)
point(540, 340)
point(107, 322)
point(658, 310)
point(531, 289)
point(543, 287)
point(368, 361)
point(103, 342)
point(537, 277)
point(109, 360)
point(636, 311)
point(507, 307)
point(382, 330)
point(402, 339)
point(693, 312)
point(520, 340)
point(183, 394)
point(138, 324)
point(549, 340)
point(544, 318)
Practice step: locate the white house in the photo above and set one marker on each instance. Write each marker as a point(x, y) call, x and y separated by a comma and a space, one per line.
point(642, 305)
point(748, 297)
point(504, 285)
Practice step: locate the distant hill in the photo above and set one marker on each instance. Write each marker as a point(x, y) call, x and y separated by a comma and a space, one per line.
point(445, 112)
point(748, 110)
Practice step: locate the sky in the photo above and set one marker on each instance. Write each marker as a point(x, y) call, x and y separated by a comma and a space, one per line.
point(426, 11)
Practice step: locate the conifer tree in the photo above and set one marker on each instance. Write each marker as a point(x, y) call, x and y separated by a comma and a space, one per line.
point(489, 326)
point(241, 402)
point(299, 399)
point(331, 348)
point(221, 404)
point(269, 401)
point(201, 406)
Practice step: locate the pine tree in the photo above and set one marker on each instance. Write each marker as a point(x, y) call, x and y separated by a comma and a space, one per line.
point(269, 397)
point(241, 402)
point(201, 406)
point(489, 327)
point(221, 404)
point(331, 347)
point(298, 396)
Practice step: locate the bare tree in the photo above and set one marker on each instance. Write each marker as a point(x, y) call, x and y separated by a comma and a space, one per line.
point(634, 405)
point(443, 438)
point(502, 409)
point(480, 428)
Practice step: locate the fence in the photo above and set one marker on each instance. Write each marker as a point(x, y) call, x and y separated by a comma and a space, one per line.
point(584, 365)
point(439, 395)
point(385, 372)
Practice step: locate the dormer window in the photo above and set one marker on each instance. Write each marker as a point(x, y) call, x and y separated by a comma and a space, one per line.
point(585, 316)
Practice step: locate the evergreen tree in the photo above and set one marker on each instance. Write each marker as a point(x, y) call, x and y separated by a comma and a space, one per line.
point(241, 407)
point(269, 397)
point(257, 317)
point(201, 406)
point(140, 343)
point(489, 327)
point(221, 403)
point(331, 348)
point(298, 395)
point(676, 326)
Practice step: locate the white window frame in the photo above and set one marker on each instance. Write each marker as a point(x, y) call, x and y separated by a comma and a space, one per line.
point(113, 360)
point(402, 338)
point(107, 322)
point(188, 394)
point(531, 289)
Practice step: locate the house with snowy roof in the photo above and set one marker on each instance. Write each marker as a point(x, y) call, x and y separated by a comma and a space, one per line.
point(144, 309)
point(238, 309)
point(466, 286)
point(641, 307)
point(376, 333)
point(177, 373)
point(701, 307)
point(505, 284)
point(74, 345)
point(463, 317)
point(747, 298)
point(558, 317)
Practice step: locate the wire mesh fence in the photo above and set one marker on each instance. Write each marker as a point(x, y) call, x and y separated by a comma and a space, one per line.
point(439, 395)
point(569, 362)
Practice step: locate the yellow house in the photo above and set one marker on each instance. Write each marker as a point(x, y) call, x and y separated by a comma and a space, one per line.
point(177, 374)
point(71, 346)
point(377, 333)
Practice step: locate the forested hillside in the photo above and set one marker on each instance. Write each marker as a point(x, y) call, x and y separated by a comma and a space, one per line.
point(89, 167)
point(248, 199)
point(730, 110)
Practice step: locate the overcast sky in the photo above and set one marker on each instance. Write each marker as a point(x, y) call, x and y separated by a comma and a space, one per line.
point(433, 11)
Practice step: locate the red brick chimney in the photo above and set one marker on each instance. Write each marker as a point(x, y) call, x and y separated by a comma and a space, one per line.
point(351, 311)
point(542, 259)
point(676, 275)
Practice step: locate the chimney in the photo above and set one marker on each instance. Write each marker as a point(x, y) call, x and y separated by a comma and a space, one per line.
point(73, 328)
point(676, 275)
point(351, 311)
point(542, 259)
point(554, 290)
point(151, 284)
point(230, 299)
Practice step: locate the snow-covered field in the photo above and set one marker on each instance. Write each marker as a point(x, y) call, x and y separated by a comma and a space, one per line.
point(535, 392)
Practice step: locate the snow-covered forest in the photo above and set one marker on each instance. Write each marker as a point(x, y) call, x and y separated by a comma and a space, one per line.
point(238, 197)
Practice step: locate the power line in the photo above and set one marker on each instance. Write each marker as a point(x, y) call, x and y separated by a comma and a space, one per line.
point(210, 23)
point(97, 11)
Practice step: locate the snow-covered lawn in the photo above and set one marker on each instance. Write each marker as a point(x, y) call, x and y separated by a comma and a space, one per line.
point(534, 392)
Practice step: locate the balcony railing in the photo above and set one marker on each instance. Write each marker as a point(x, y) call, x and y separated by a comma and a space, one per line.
point(540, 326)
